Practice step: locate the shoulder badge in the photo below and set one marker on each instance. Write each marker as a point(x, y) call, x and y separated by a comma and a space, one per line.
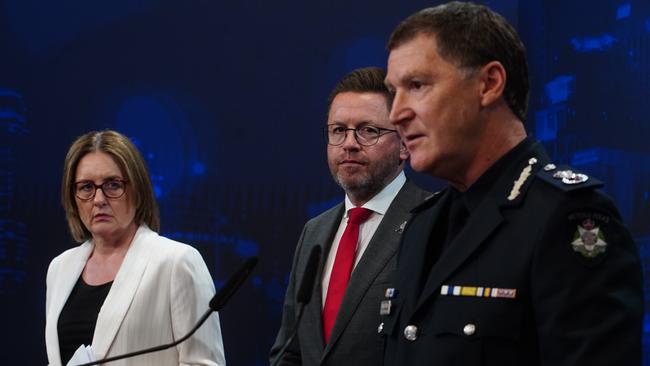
point(588, 238)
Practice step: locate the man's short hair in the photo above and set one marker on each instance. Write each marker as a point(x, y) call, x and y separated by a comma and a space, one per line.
point(471, 35)
point(363, 80)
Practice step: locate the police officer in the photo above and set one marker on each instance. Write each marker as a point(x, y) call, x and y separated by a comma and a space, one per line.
point(518, 261)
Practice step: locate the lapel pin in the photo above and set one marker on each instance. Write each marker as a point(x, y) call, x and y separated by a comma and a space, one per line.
point(400, 229)
point(384, 308)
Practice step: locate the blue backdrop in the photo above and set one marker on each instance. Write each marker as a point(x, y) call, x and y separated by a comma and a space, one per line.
point(226, 100)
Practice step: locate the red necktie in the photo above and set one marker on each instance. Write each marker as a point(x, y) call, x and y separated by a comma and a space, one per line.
point(342, 268)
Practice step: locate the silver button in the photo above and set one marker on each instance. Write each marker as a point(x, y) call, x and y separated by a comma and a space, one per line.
point(532, 161)
point(549, 167)
point(411, 332)
point(380, 327)
point(469, 329)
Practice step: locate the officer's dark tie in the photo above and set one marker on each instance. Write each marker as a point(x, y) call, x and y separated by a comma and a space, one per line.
point(457, 217)
point(342, 268)
point(450, 222)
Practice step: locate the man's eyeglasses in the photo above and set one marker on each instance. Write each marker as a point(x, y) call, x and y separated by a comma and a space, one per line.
point(366, 135)
point(113, 188)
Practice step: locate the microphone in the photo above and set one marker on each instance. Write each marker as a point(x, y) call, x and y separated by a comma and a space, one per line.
point(304, 296)
point(217, 303)
point(225, 293)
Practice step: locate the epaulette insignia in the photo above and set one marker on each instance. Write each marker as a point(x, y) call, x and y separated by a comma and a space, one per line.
point(548, 167)
point(567, 179)
point(570, 177)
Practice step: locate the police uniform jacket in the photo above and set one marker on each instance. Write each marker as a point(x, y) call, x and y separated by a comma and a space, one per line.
point(543, 272)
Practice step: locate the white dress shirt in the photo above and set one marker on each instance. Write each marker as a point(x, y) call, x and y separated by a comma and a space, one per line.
point(379, 205)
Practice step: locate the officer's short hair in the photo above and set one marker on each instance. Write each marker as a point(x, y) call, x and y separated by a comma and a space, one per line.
point(471, 35)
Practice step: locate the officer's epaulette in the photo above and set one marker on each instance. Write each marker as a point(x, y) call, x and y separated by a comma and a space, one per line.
point(566, 178)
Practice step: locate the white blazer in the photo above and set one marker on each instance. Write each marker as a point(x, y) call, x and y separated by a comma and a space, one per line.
point(159, 292)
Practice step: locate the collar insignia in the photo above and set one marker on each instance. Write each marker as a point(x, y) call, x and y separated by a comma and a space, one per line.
point(516, 188)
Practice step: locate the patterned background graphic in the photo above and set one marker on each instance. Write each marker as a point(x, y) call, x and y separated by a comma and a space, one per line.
point(226, 100)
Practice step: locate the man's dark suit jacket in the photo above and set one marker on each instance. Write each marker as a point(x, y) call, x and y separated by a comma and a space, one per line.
point(354, 339)
point(575, 303)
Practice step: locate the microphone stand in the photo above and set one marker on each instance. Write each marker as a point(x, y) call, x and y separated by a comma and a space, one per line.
point(205, 317)
point(217, 302)
point(304, 296)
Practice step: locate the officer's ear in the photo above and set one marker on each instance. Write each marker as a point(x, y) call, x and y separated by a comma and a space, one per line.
point(492, 79)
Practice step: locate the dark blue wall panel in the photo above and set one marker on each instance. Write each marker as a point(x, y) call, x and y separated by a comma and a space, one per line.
point(226, 101)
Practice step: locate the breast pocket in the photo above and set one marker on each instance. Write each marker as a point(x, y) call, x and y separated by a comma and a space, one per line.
point(477, 317)
point(477, 331)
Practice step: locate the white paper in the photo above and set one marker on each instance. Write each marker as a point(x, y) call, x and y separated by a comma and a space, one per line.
point(83, 354)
